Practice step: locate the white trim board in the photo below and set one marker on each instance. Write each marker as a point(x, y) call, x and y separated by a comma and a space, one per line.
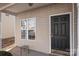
point(71, 32)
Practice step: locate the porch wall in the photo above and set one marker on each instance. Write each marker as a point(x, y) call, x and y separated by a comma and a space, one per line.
point(7, 29)
point(42, 42)
point(7, 25)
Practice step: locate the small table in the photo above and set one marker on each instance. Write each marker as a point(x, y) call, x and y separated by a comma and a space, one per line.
point(24, 48)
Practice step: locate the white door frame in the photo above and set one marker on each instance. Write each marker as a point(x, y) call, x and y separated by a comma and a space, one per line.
point(71, 31)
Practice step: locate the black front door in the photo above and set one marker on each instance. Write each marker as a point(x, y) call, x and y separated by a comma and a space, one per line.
point(60, 39)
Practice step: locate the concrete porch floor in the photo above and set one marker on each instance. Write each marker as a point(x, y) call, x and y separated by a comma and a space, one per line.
point(17, 52)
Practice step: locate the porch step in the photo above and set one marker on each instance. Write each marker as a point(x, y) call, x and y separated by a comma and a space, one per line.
point(60, 53)
point(56, 54)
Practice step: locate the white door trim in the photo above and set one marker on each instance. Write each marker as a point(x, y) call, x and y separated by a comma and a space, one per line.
point(78, 29)
point(71, 31)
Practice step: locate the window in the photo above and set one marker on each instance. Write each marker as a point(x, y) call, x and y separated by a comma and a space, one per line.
point(28, 27)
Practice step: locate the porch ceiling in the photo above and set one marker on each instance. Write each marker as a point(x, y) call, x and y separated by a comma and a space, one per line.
point(3, 4)
point(19, 7)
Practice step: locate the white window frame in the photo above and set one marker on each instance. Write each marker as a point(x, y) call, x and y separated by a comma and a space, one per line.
point(27, 27)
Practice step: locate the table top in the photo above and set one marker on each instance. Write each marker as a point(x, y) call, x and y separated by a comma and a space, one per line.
point(25, 46)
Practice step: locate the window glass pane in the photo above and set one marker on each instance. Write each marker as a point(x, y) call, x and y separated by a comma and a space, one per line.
point(31, 34)
point(23, 34)
point(23, 24)
point(31, 23)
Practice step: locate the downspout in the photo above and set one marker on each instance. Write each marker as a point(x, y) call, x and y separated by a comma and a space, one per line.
point(75, 28)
